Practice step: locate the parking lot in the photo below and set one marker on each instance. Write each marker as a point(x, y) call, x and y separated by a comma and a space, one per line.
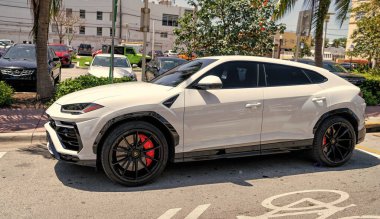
point(285, 186)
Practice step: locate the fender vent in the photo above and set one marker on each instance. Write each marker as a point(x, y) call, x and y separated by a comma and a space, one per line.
point(169, 102)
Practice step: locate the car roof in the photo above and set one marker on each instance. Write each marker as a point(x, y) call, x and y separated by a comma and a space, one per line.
point(173, 58)
point(56, 44)
point(264, 59)
point(109, 55)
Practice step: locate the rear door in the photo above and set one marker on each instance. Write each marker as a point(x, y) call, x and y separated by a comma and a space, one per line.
point(292, 99)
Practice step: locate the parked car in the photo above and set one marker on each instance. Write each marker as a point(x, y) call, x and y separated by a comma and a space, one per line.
point(2, 51)
point(99, 51)
point(187, 57)
point(134, 57)
point(100, 66)
point(18, 66)
point(160, 65)
point(6, 43)
point(338, 70)
point(63, 52)
point(85, 49)
point(170, 53)
point(157, 53)
point(348, 66)
point(213, 107)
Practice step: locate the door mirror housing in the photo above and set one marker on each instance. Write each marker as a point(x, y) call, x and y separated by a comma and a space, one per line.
point(209, 82)
point(55, 59)
point(134, 66)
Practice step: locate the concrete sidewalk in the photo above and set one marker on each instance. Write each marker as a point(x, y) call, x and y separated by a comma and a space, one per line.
point(26, 125)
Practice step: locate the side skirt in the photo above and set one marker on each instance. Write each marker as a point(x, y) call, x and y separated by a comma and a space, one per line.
point(245, 151)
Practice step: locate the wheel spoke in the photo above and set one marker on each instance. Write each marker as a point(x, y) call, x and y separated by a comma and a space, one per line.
point(337, 132)
point(119, 161)
point(340, 153)
point(343, 139)
point(120, 149)
point(151, 149)
point(146, 168)
point(333, 152)
point(135, 139)
point(126, 141)
point(343, 133)
point(135, 163)
point(149, 157)
point(145, 141)
point(341, 146)
point(126, 168)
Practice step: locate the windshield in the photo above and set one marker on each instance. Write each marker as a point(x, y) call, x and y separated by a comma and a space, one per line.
point(181, 73)
point(59, 48)
point(167, 64)
point(334, 67)
point(105, 62)
point(21, 52)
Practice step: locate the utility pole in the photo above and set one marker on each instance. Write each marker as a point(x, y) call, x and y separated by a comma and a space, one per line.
point(120, 21)
point(114, 9)
point(153, 40)
point(144, 26)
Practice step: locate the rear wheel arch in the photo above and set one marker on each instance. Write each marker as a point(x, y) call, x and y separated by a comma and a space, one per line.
point(345, 113)
point(153, 118)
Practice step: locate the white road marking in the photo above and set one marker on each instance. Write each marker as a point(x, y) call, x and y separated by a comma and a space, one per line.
point(370, 153)
point(198, 211)
point(2, 154)
point(170, 213)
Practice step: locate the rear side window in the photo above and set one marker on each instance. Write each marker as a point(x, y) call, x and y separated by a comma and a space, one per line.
point(315, 77)
point(283, 75)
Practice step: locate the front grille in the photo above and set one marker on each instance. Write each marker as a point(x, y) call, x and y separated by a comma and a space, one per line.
point(17, 72)
point(68, 134)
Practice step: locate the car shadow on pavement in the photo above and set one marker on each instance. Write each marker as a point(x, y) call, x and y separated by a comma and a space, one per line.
point(236, 171)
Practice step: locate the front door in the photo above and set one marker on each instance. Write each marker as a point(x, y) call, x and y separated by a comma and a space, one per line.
point(229, 117)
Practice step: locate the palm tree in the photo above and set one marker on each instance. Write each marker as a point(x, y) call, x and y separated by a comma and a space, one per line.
point(42, 11)
point(320, 9)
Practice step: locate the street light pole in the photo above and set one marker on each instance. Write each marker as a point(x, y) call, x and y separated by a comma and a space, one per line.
point(145, 30)
point(112, 40)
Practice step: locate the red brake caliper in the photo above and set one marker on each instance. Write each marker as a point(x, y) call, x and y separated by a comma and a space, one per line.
point(148, 145)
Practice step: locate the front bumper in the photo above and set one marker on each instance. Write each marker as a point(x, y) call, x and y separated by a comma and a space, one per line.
point(361, 135)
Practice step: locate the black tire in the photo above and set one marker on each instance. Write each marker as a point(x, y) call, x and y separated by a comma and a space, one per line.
point(334, 142)
point(121, 159)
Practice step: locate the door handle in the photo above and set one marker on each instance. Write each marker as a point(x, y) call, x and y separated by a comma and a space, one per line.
point(318, 99)
point(251, 105)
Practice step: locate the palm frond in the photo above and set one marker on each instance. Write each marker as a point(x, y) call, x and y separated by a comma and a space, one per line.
point(283, 7)
point(342, 7)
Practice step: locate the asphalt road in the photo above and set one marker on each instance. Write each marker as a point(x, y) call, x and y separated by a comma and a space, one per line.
point(33, 185)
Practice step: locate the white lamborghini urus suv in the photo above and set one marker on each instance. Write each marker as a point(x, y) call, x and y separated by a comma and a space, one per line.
point(213, 107)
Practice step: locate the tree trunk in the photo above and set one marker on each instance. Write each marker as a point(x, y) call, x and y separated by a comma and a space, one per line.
point(322, 11)
point(45, 86)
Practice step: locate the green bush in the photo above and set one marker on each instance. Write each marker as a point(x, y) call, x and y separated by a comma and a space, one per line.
point(371, 91)
point(83, 82)
point(6, 92)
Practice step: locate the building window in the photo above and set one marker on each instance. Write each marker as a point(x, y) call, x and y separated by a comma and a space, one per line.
point(82, 14)
point(82, 30)
point(69, 12)
point(170, 20)
point(99, 31)
point(164, 35)
point(99, 15)
point(69, 30)
point(111, 31)
point(54, 28)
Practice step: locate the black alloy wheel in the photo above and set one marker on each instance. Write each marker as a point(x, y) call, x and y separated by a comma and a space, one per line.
point(334, 142)
point(134, 154)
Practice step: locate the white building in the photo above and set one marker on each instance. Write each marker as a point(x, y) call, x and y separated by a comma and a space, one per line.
point(96, 22)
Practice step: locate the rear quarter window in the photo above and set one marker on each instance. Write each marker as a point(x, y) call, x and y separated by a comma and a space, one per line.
point(315, 77)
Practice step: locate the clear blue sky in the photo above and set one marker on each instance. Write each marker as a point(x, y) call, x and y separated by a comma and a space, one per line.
point(334, 30)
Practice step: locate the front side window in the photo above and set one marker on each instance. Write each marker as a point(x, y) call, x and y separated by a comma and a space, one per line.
point(105, 62)
point(283, 75)
point(181, 73)
point(117, 50)
point(130, 51)
point(236, 74)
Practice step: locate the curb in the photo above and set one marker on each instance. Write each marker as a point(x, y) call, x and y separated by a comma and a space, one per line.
point(372, 127)
point(22, 137)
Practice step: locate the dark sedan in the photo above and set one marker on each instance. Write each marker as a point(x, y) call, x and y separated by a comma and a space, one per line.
point(338, 70)
point(160, 65)
point(18, 66)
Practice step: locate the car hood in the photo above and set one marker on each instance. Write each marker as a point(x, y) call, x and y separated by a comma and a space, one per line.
point(135, 90)
point(104, 72)
point(14, 63)
point(347, 75)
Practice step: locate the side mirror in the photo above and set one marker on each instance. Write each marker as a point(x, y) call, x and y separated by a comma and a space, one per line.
point(134, 66)
point(87, 63)
point(55, 59)
point(209, 82)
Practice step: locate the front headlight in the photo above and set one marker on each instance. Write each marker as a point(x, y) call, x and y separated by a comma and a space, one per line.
point(80, 108)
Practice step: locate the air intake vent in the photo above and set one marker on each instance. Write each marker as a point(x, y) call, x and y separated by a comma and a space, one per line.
point(169, 102)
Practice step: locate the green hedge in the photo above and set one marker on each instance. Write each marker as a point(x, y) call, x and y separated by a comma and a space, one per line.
point(83, 82)
point(6, 92)
point(371, 91)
